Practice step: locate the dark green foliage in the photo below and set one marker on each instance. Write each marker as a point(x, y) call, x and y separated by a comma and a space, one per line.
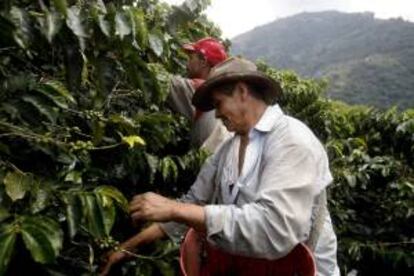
point(372, 159)
point(366, 60)
point(84, 127)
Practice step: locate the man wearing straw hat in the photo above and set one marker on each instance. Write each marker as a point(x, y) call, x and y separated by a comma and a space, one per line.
point(261, 195)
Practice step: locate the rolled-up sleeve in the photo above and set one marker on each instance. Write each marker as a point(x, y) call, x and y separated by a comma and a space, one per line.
point(279, 217)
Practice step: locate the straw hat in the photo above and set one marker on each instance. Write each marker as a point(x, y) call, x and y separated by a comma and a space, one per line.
point(232, 70)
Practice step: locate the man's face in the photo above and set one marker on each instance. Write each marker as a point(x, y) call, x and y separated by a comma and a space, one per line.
point(195, 65)
point(230, 109)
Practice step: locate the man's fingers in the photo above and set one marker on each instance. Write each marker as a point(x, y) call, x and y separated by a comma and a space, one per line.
point(135, 207)
point(136, 203)
point(140, 197)
point(106, 269)
point(112, 258)
point(137, 215)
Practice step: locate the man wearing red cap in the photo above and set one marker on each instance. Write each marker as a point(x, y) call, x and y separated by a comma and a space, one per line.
point(207, 132)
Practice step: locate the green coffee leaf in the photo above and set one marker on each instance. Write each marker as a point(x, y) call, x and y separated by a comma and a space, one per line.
point(43, 237)
point(42, 107)
point(17, 184)
point(7, 241)
point(156, 44)
point(73, 213)
point(122, 27)
point(108, 211)
point(114, 194)
point(61, 6)
point(92, 215)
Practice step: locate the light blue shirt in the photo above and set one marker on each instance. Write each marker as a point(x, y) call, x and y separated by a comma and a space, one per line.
point(266, 210)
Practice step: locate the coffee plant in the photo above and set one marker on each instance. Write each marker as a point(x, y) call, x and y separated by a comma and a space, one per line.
point(84, 126)
point(371, 155)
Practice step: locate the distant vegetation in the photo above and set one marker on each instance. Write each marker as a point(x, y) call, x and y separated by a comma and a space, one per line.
point(366, 60)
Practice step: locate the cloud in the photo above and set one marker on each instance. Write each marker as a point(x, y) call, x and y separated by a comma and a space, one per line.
point(237, 16)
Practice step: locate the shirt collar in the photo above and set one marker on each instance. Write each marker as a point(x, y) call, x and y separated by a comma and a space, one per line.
point(269, 118)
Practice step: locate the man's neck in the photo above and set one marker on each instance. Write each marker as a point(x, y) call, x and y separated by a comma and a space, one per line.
point(253, 116)
point(204, 75)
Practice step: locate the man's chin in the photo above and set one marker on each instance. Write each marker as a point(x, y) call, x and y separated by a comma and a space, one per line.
point(192, 75)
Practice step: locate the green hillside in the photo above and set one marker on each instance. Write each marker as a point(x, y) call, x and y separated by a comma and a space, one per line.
point(366, 60)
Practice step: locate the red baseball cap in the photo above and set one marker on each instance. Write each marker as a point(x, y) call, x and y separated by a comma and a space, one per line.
point(212, 50)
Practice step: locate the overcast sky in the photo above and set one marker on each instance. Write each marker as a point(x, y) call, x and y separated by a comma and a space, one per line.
point(238, 16)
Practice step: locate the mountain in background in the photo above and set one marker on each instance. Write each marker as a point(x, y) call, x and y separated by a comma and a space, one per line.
point(366, 60)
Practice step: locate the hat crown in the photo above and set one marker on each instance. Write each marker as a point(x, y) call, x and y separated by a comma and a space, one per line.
point(212, 50)
point(233, 70)
point(233, 65)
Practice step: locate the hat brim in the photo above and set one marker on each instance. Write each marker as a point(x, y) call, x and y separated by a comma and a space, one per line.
point(271, 89)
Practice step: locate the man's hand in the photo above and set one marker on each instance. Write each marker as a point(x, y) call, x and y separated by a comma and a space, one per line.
point(111, 259)
point(148, 235)
point(152, 207)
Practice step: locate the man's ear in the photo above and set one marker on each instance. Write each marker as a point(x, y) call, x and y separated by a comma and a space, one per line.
point(205, 63)
point(243, 90)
